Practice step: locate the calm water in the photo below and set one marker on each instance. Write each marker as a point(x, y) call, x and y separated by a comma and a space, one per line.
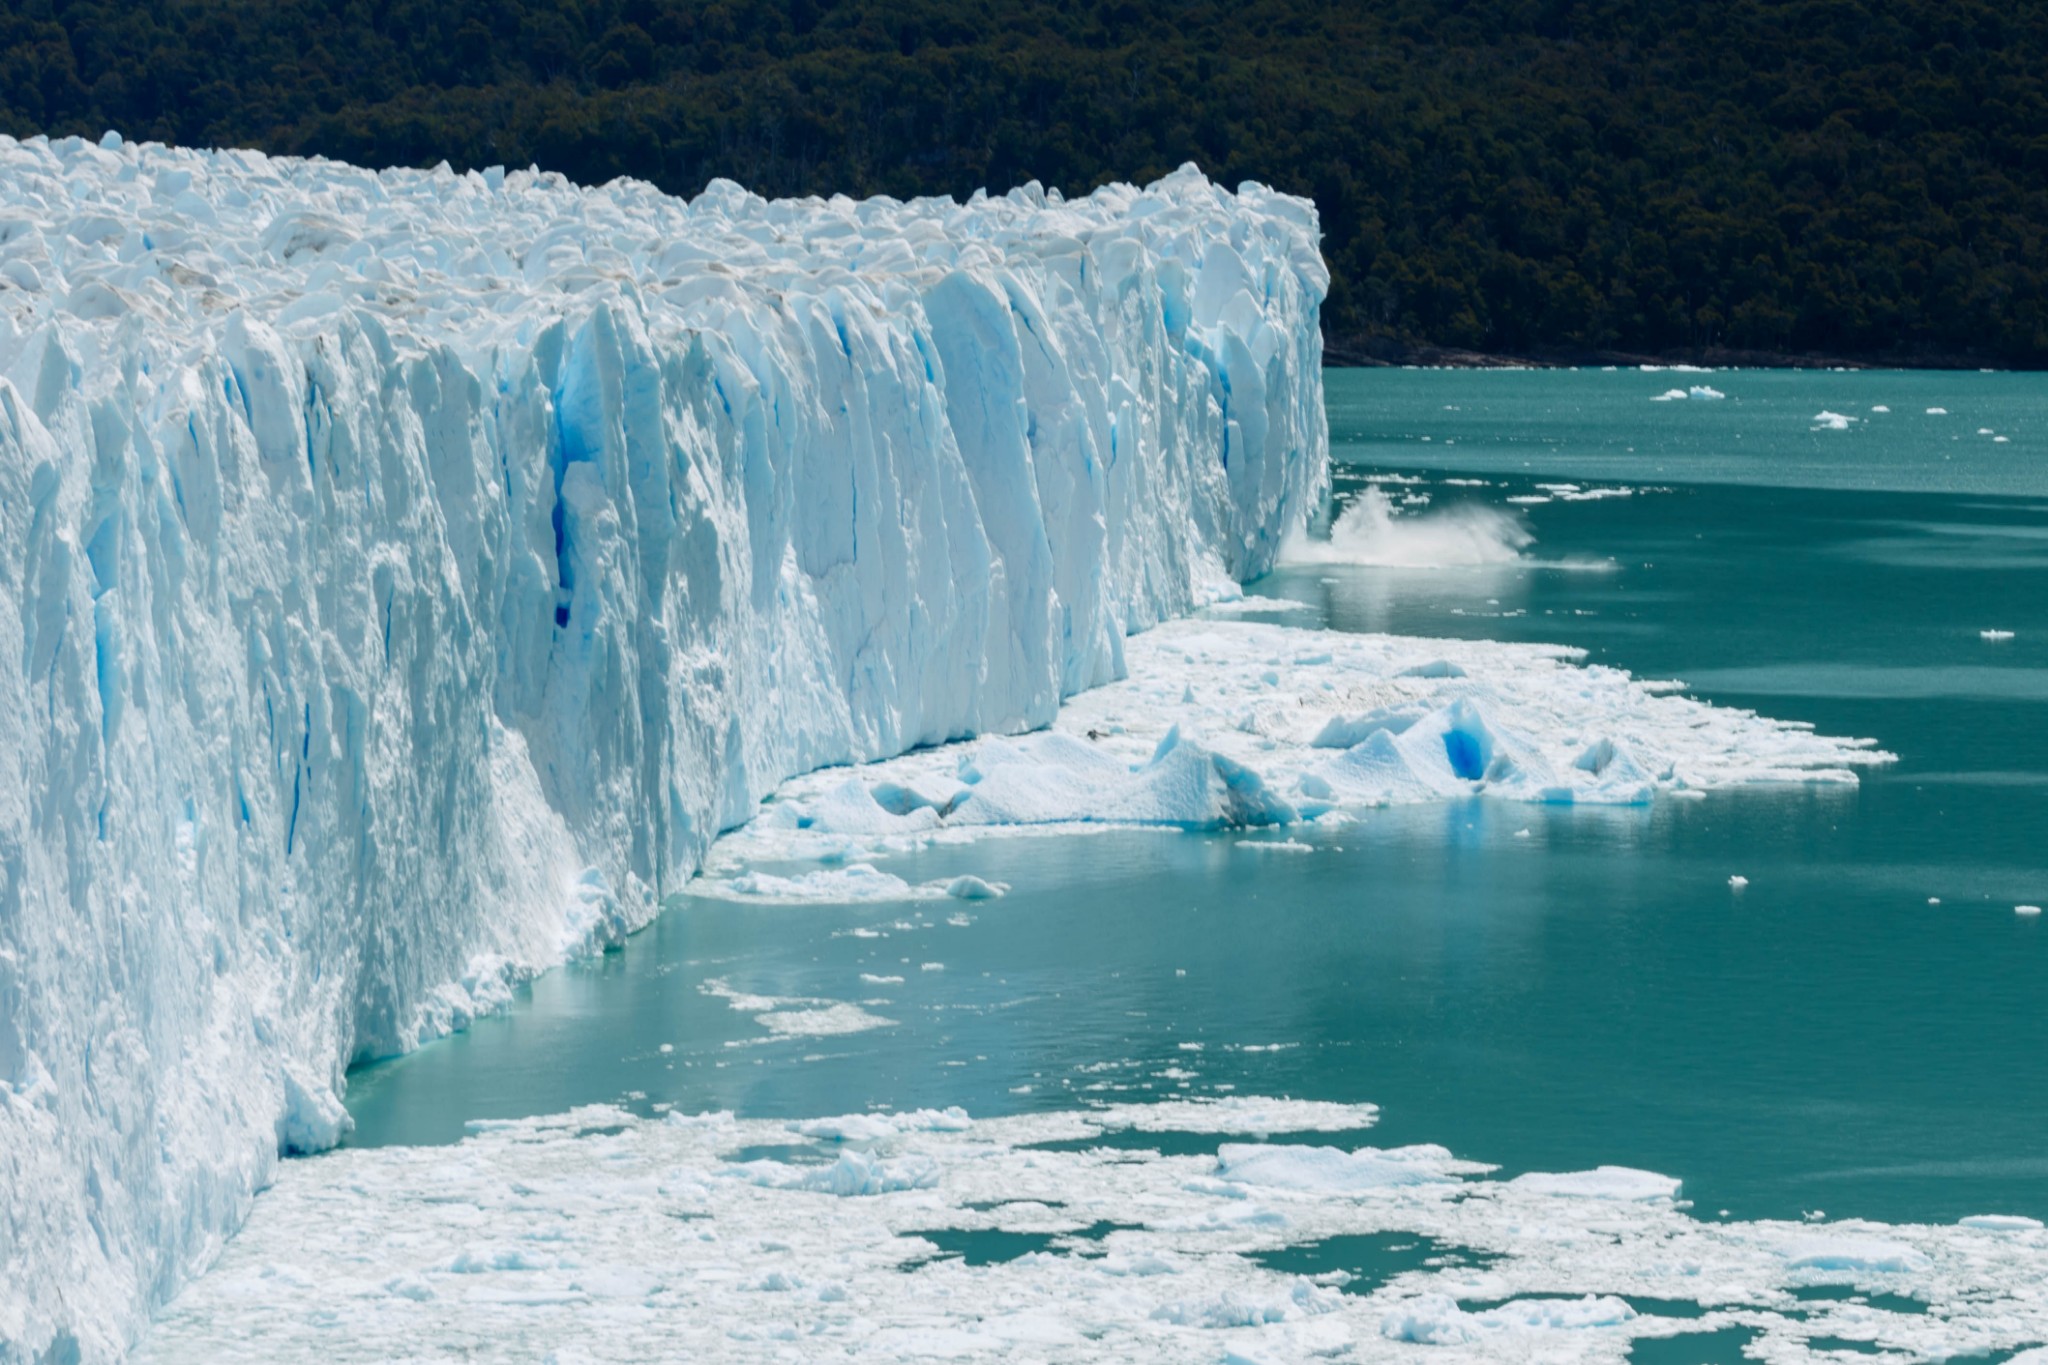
point(1828, 1039)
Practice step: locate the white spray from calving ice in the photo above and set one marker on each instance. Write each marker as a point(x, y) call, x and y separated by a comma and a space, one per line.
point(1370, 532)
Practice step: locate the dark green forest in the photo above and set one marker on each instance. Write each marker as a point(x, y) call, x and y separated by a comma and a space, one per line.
point(1861, 179)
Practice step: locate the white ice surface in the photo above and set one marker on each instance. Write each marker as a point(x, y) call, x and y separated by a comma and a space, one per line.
point(1224, 723)
point(408, 573)
point(600, 1236)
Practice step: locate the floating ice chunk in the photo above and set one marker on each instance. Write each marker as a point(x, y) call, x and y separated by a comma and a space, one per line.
point(1705, 391)
point(1437, 1319)
point(2000, 1222)
point(1851, 1252)
point(873, 1128)
point(824, 1021)
point(1831, 421)
point(1670, 396)
point(2028, 910)
point(854, 1175)
point(854, 807)
point(796, 1016)
point(2001, 440)
point(1430, 1320)
point(1937, 412)
point(1622, 1183)
point(1995, 634)
point(1343, 731)
point(1737, 882)
point(855, 882)
point(1330, 1170)
point(1985, 431)
point(1522, 833)
point(1276, 845)
point(1235, 1308)
point(1289, 726)
point(1879, 407)
point(971, 888)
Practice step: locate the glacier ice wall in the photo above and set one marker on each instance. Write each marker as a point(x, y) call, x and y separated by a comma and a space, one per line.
point(404, 575)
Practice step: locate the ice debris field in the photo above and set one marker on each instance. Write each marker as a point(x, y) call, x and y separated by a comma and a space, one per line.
point(1275, 1234)
point(410, 573)
point(1225, 723)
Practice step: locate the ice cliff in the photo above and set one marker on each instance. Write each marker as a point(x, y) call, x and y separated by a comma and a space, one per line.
point(404, 575)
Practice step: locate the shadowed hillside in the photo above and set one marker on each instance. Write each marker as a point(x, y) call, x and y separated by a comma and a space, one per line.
point(1562, 178)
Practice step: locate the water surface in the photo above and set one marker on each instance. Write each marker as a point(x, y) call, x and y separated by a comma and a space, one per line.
point(1591, 991)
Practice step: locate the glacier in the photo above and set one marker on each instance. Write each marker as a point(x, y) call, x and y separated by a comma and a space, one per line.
point(407, 574)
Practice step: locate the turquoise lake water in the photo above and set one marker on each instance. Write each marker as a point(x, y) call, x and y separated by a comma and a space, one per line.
point(1827, 1039)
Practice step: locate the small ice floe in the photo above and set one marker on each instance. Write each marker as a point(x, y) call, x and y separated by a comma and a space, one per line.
point(1934, 900)
point(972, 888)
point(2000, 1222)
point(1994, 635)
point(1937, 412)
point(1879, 407)
point(1670, 396)
point(1985, 431)
point(1737, 882)
point(2001, 440)
point(1521, 834)
point(1704, 392)
point(2028, 910)
point(1831, 421)
point(1624, 1184)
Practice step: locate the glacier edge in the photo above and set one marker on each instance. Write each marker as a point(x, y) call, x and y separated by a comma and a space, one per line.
point(412, 573)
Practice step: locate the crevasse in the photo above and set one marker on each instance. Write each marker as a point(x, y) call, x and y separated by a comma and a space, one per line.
point(404, 575)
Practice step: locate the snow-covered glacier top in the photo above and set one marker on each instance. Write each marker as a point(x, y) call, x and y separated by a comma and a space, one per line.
point(408, 573)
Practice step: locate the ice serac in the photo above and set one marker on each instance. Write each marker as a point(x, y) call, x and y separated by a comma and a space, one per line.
point(403, 576)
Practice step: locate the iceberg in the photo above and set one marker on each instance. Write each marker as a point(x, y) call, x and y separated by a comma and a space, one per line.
point(1226, 724)
point(410, 573)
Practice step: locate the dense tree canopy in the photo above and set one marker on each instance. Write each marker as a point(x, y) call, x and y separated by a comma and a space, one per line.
point(1862, 178)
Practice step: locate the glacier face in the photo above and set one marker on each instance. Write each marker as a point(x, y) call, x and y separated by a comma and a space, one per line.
point(406, 574)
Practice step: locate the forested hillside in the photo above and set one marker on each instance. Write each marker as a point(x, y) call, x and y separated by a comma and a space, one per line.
point(1854, 178)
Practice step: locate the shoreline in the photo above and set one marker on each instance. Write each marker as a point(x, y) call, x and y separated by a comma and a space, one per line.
point(1374, 353)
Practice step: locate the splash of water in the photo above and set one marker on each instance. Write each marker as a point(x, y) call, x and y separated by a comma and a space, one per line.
point(1370, 532)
